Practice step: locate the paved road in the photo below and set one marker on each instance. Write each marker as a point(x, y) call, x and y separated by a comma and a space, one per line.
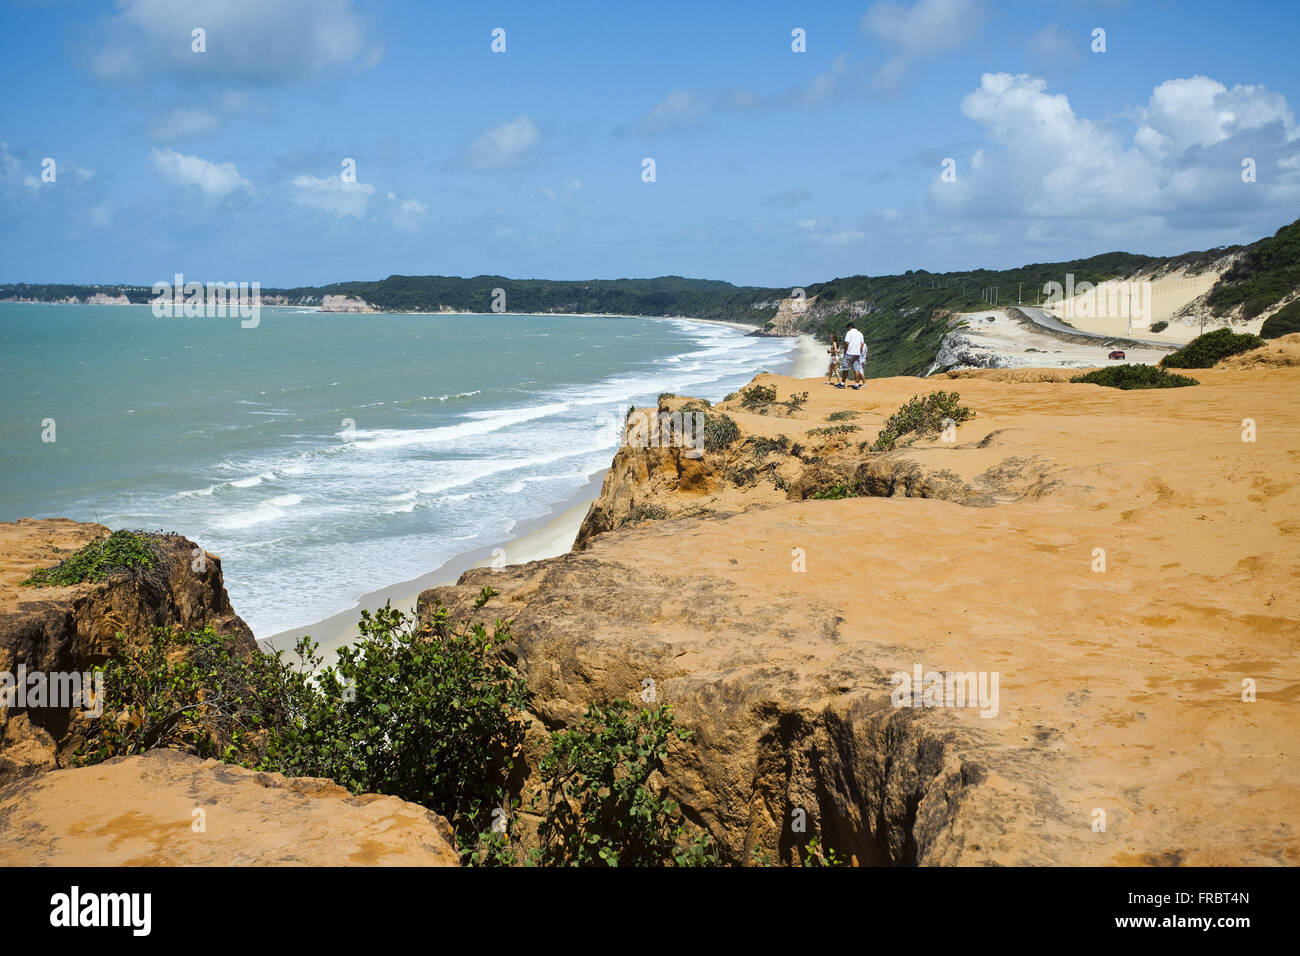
point(1051, 322)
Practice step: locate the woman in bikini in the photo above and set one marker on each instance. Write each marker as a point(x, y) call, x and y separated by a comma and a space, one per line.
point(833, 372)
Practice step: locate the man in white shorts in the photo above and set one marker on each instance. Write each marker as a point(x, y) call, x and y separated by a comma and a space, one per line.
point(855, 355)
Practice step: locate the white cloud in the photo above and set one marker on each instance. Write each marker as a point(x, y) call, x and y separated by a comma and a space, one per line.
point(927, 28)
point(1199, 111)
point(29, 172)
point(406, 214)
point(683, 109)
point(100, 214)
point(678, 109)
point(1182, 163)
point(189, 122)
point(260, 41)
point(184, 124)
point(828, 232)
point(332, 195)
point(214, 180)
point(1054, 49)
point(504, 146)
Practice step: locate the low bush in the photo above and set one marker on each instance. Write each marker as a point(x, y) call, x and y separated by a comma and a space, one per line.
point(1206, 350)
point(920, 417)
point(720, 432)
point(602, 804)
point(427, 712)
point(646, 512)
point(1135, 376)
point(751, 396)
point(834, 493)
point(133, 552)
point(762, 447)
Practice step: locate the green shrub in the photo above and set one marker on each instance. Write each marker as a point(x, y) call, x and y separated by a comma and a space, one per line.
point(834, 493)
point(1135, 376)
point(815, 856)
point(759, 397)
point(601, 805)
point(189, 691)
point(1206, 350)
point(754, 395)
point(121, 552)
point(762, 447)
point(843, 416)
point(427, 712)
point(1282, 322)
point(833, 430)
point(919, 417)
point(720, 432)
point(1159, 326)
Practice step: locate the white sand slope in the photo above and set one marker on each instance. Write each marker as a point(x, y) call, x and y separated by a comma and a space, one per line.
point(994, 339)
point(1173, 299)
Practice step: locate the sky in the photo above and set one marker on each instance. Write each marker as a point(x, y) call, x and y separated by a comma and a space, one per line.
point(316, 141)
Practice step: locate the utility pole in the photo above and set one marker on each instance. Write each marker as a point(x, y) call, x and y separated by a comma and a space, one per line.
point(1019, 286)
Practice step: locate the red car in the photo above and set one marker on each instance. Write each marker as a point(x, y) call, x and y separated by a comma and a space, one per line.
point(1117, 354)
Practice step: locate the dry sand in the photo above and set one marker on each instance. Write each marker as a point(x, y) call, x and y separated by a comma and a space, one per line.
point(1123, 685)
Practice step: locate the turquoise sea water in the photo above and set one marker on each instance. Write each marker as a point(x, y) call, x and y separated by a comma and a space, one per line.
point(324, 455)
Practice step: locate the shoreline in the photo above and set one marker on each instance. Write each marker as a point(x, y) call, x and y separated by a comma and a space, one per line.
point(545, 536)
point(810, 360)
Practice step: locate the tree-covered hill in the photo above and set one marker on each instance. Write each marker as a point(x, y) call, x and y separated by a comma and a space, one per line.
point(903, 316)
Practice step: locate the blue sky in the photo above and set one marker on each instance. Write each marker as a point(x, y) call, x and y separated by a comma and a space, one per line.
point(773, 167)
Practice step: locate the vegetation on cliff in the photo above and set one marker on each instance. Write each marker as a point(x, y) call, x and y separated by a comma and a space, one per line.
point(604, 805)
point(429, 712)
point(919, 417)
point(1266, 273)
point(1206, 350)
point(131, 552)
point(1282, 322)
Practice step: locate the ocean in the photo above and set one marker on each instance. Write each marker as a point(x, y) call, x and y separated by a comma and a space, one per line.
point(323, 456)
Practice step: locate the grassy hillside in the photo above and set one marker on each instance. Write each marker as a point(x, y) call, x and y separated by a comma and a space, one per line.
point(1267, 273)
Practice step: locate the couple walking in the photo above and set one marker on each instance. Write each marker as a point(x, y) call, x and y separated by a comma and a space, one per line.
point(853, 357)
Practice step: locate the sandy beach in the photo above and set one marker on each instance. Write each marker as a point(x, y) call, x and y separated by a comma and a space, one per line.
point(544, 537)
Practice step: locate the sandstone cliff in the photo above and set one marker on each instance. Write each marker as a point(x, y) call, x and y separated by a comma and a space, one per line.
point(1123, 562)
point(63, 629)
point(165, 808)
